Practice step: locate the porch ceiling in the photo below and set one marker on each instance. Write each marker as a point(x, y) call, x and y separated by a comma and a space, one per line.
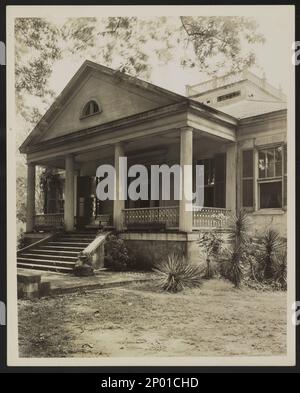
point(165, 147)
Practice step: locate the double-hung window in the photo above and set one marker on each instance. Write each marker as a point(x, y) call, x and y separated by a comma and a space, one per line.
point(271, 177)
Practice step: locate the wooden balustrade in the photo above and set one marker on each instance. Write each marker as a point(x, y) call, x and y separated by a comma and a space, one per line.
point(51, 220)
point(207, 217)
point(211, 217)
point(160, 215)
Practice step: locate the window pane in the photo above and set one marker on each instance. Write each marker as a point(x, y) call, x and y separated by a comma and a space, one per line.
point(285, 159)
point(261, 164)
point(285, 191)
point(278, 161)
point(270, 195)
point(270, 161)
point(248, 193)
point(248, 163)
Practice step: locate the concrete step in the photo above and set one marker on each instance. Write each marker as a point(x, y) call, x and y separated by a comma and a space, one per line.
point(77, 244)
point(54, 252)
point(59, 255)
point(64, 248)
point(54, 257)
point(47, 262)
point(51, 268)
point(75, 240)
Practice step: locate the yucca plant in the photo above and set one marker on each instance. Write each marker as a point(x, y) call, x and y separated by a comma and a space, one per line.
point(238, 228)
point(210, 243)
point(238, 236)
point(280, 269)
point(231, 267)
point(270, 247)
point(176, 274)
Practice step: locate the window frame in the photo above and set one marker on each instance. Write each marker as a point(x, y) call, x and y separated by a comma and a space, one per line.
point(270, 179)
point(90, 102)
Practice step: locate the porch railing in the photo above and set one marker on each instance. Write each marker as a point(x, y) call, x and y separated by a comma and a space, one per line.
point(207, 217)
point(211, 217)
point(168, 216)
point(55, 220)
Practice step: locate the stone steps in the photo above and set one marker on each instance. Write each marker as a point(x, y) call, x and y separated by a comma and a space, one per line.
point(57, 255)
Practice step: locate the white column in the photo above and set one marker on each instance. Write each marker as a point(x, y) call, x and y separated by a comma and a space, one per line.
point(30, 207)
point(119, 204)
point(69, 193)
point(186, 158)
point(231, 176)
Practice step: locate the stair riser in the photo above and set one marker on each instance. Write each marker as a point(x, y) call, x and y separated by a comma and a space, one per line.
point(69, 244)
point(62, 248)
point(47, 263)
point(72, 240)
point(53, 257)
point(58, 253)
point(46, 268)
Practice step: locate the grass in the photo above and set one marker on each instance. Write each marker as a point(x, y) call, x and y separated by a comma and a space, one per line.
point(139, 320)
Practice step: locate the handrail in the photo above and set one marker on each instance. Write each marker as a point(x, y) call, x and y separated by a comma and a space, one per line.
point(151, 208)
point(37, 243)
point(92, 247)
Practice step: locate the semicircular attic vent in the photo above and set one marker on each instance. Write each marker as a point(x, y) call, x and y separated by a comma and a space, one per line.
point(90, 108)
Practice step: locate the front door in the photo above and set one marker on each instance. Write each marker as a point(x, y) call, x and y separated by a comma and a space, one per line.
point(84, 201)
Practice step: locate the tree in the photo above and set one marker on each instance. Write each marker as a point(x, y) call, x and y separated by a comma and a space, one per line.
point(213, 44)
point(128, 44)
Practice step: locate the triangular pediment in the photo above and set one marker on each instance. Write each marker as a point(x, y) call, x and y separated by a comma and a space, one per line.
point(118, 96)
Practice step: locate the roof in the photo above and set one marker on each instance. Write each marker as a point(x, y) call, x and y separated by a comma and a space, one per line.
point(248, 108)
point(86, 67)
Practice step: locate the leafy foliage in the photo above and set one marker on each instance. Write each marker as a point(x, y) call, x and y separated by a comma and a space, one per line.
point(213, 44)
point(231, 267)
point(175, 274)
point(211, 242)
point(280, 269)
point(218, 42)
point(238, 236)
point(21, 241)
point(116, 254)
point(271, 245)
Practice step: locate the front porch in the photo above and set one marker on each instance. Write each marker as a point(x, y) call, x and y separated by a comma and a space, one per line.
point(155, 218)
point(182, 135)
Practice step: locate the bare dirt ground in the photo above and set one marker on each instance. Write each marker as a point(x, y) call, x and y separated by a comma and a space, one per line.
point(137, 320)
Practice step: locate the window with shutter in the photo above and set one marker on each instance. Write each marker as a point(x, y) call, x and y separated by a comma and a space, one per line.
point(247, 179)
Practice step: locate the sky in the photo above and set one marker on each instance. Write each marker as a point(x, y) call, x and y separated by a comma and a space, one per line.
point(273, 59)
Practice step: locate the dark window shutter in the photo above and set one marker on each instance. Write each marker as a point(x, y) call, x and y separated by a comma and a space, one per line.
point(284, 175)
point(247, 178)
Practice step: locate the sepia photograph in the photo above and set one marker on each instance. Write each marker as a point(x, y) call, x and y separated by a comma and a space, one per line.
point(150, 185)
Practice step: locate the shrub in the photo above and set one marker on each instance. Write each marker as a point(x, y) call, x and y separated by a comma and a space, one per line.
point(117, 256)
point(21, 241)
point(231, 267)
point(176, 274)
point(271, 245)
point(280, 270)
point(232, 264)
point(267, 262)
point(210, 243)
